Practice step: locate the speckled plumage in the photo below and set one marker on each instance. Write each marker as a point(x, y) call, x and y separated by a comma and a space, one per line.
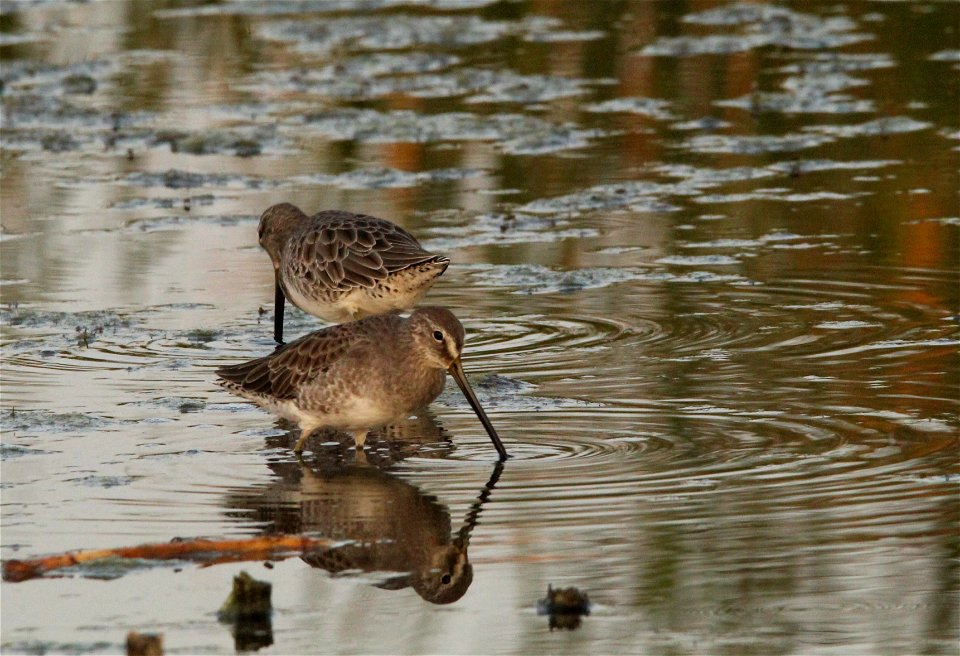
point(342, 266)
point(360, 375)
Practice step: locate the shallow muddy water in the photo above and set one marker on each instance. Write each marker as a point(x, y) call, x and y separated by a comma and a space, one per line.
point(707, 256)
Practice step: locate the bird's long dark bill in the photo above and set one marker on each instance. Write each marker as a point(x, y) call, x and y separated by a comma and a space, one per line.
point(278, 311)
point(456, 370)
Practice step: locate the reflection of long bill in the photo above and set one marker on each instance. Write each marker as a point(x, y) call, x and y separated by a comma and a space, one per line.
point(456, 370)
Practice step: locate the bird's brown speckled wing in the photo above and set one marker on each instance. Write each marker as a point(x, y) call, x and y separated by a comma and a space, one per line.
point(342, 250)
point(284, 372)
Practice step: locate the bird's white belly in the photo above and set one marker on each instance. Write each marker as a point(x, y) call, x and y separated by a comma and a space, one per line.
point(357, 413)
point(336, 311)
point(355, 303)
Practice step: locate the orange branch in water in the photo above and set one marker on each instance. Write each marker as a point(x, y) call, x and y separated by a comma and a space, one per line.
point(210, 551)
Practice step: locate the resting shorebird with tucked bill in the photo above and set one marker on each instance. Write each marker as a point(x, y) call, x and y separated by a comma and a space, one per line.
point(342, 266)
point(359, 375)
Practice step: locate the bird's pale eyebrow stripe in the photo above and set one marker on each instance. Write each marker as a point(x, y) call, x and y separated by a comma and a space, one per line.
point(451, 346)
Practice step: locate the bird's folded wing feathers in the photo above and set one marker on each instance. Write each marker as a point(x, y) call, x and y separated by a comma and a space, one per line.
point(281, 374)
point(356, 251)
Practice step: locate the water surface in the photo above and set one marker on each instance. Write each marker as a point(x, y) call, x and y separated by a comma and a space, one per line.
point(707, 256)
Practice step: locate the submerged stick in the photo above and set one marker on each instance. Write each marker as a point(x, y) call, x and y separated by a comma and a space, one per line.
point(210, 551)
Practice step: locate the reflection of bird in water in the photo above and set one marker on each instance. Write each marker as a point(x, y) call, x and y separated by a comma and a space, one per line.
point(421, 435)
point(360, 375)
point(390, 524)
point(342, 266)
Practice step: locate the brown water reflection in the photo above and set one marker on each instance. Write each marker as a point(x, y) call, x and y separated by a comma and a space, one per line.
point(707, 256)
point(389, 528)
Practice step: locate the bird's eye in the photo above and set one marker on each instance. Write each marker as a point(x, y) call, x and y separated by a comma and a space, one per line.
point(445, 579)
point(437, 335)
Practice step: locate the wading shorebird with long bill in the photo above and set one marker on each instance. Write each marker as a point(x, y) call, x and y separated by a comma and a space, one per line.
point(342, 266)
point(360, 375)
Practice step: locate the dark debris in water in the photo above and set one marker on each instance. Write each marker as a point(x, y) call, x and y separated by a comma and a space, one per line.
point(26, 317)
point(21, 421)
point(79, 83)
point(22, 77)
point(49, 107)
point(774, 239)
point(140, 203)
point(508, 87)
point(173, 222)
point(650, 196)
point(385, 178)
point(497, 392)
point(93, 480)
point(635, 196)
point(8, 451)
point(203, 335)
point(801, 166)
point(87, 326)
point(248, 610)
point(877, 127)
point(59, 124)
point(249, 598)
point(111, 568)
point(698, 260)
point(697, 179)
point(565, 606)
point(379, 64)
point(500, 228)
point(750, 26)
point(755, 144)
point(706, 124)
point(282, 7)
point(242, 143)
point(58, 142)
point(363, 178)
point(495, 384)
point(564, 601)
point(652, 107)
point(345, 81)
point(781, 194)
point(813, 85)
point(390, 32)
point(836, 62)
point(800, 103)
point(177, 179)
point(144, 644)
point(536, 279)
point(181, 404)
point(86, 335)
point(40, 647)
point(517, 134)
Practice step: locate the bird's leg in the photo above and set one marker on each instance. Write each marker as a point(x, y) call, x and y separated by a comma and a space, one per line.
point(304, 434)
point(359, 437)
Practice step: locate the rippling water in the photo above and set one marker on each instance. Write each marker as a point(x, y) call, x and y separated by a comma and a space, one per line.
point(707, 255)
